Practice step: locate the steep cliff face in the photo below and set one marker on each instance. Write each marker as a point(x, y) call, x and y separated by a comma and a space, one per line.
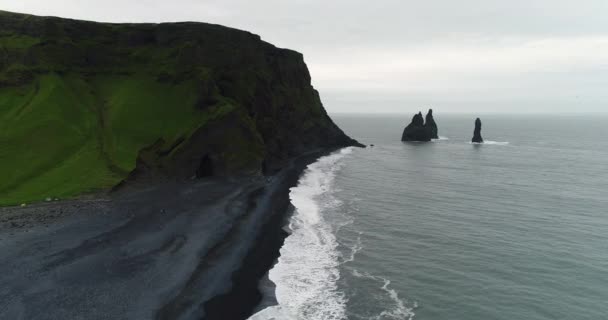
point(84, 104)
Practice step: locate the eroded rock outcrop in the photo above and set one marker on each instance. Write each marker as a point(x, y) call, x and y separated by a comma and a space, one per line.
point(418, 130)
point(431, 125)
point(477, 133)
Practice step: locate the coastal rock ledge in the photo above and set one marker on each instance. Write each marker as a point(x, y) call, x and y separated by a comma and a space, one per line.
point(418, 130)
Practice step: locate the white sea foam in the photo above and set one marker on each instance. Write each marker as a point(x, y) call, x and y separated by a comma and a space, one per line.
point(354, 249)
point(489, 142)
point(399, 309)
point(440, 139)
point(307, 271)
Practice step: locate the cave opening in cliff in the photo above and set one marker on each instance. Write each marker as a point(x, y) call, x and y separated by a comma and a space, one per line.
point(205, 167)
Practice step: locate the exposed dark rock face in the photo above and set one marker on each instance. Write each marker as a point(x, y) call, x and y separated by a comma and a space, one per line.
point(418, 130)
point(477, 133)
point(431, 125)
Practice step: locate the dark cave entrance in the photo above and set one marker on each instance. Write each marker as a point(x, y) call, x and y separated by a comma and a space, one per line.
point(205, 167)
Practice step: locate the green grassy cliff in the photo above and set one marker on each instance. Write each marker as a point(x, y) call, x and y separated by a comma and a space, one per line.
point(85, 105)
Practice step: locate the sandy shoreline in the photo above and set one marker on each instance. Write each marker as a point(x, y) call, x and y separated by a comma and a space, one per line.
point(172, 251)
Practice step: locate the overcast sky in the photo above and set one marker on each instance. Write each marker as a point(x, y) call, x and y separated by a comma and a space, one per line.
point(404, 55)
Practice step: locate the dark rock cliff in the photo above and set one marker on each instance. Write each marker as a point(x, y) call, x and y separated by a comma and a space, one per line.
point(182, 99)
point(477, 132)
point(418, 130)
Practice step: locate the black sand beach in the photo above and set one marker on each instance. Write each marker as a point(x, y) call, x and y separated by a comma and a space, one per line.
point(185, 250)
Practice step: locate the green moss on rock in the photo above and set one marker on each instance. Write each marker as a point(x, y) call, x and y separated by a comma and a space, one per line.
point(84, 105)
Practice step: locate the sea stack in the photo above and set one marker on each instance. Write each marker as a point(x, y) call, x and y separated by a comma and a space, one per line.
point(418, 130)
point(431, 125)
point(477, 133)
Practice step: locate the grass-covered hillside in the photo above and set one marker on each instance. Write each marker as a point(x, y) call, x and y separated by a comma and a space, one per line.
point(83, 105)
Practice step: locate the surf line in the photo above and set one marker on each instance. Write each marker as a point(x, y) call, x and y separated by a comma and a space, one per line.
point(307, 272)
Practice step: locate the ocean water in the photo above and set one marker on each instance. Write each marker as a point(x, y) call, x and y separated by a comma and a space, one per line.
point(516, 228)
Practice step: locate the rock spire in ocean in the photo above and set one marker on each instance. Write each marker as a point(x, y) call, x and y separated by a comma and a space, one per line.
point(418, 130)
point(477, 133)
point(431, 125)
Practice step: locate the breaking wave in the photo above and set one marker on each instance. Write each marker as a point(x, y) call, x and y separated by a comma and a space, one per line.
point(307, 271)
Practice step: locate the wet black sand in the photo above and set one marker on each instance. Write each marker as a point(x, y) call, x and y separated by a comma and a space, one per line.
point(186, 250)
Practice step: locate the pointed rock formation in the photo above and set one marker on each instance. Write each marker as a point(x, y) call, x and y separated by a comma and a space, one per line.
point(431, 125)
point(477, 133)
point(418, 130)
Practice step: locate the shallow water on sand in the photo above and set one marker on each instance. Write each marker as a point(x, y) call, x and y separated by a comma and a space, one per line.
point(511, 229)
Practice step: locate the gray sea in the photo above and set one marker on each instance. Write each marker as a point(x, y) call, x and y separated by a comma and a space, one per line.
point(516, 228)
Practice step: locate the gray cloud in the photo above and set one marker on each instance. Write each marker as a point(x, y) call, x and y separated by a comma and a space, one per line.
point(396, 56)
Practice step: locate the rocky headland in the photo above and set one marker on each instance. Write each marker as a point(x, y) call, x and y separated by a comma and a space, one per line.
point(198, 130)
point(87, 105)
point(419, 130)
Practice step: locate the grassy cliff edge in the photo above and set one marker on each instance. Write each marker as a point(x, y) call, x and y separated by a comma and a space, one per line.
point(84, 105)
